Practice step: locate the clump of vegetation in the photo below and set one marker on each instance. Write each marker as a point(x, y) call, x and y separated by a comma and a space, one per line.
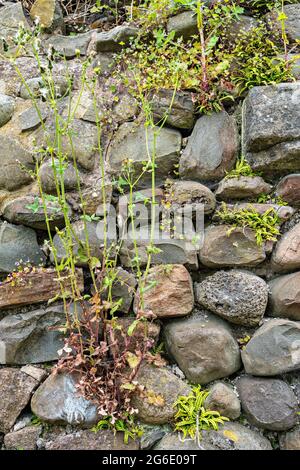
point(242, 168)
point(192, 418)
point(127, 427)
point(265, 226)
point(271, 199)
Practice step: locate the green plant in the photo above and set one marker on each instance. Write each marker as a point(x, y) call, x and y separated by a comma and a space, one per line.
point(242, 168)
point(269, 199)
point(192, 418)
point(127, 427)
point(265, 226)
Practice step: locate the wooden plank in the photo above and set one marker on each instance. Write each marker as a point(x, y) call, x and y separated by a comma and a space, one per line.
point(34, 286)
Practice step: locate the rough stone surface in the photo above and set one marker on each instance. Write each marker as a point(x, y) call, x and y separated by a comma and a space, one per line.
point(31, 119)
point(24, 439)
point(171, 294)
point(238, 296)
point(16, 388)
point(289, 189)
point(162, 388)
point(212, 148)
point(268, 403)
point(109, 41)
point(231, 436)
point(203, 347)
point(89, 440)
point(180, 114)
point(58, 401)
point(30, 337)
point(243, 187)
point(18, 243)
point(130, 143)
point(7, 106)
point(70, 46)
point(274, 349)
point(12, 154)
point(223, 399)
point(286, 256)
point(290, 440)
point(46, 174)
point(223, 247)
point(189, 195)
point(292, 21)
point(285, 296)
point(123, 288)
point(184, 24)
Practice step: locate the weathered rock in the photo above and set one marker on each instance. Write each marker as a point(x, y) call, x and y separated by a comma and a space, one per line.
point(184, 24)
point(289, 189)
point(152, 434)
point(223, 399)
point(70, 46)
point(38, 285)
point(286, 256)
point(231, 436)
point(285, 297)
point(190, 194)
point(169, 291)
point(238, 296)
point(44, 11)
point(89, 440)
point(212, 148)
point(16, 388)
point(178, 108)
point(123, 288)
point(13, 157)
point(290, 440)
point(226, 247)
point(7, 106)
point(203, 347)
point(36, 87)
point(243, 187)
point(115, 39)
point(18, 243)
point(131, 143)
point(31, 118)
point(24, 439)
point(12, 15)
point(58, 401)
point(268, 403)
point(32, 88)
point(34, 372)
point(274, 349)
point(29, 211)
point(31, 337)
point(271, 122)
point(162, 388)
point(244, 25)
point(47, 177)
point(291, 22)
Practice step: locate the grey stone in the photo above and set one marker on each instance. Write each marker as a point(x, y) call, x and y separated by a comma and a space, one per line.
point(285, 296)
point(238, 296)
point(212, 148)
point(18, 243)
point(115, 39)
point(31, 337)
point(242, 187)
point(70, 46)
point(222, 398)
point(7, 106)
point(268, 403)
point(226, 247)
point(271, 123)
point(289, 189)
point(292, 21)
point(286, 256)
point(230, 436)
point(89, 440)
point(32, 88)
point(31, 118)
point(152, 434)
point(155, 404)
point(58, 401)
point(35, 87)
point(290, 440)
point(178, 108)
point(34, 372)
point(15, 391)
point(184, 24)
point(13, 157)
point(238, 28)
point(46, 173)
point(131, 143)
point(274, 349)
point(189, 194)
point(12, 15)
point(123, 289)
point(24, 439)
point(203, 347)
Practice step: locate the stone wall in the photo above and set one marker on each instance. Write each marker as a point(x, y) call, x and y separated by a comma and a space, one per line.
point(228, 311)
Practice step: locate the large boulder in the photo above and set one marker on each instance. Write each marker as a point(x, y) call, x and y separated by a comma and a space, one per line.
point(184, 24)
point(155, 404)
point(289, 189)
point(178, 109)
point(233, 248)
point(284, 294)
point(271, 123)
point(238, 296)
point(168, 291)
point(115, 39)
point(135, 143)
point(242, 187)
point(274, 349)
point(212, 148)
point(268, 403)
point(15, 159)
point(16, 388)
point(31, 337)
point(203, 347)
point(189, 195)
point(223, 399)
point(18, 243)
point(58, 401)
point(286, 256)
